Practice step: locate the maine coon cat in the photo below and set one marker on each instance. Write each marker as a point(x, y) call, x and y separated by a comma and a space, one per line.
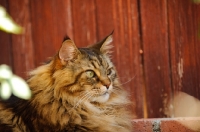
point(76, 91)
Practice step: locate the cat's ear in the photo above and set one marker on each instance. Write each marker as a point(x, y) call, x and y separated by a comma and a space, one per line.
point(68, 51)
point(105, 45)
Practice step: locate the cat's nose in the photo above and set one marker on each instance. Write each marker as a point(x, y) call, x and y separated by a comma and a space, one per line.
point(107, 84)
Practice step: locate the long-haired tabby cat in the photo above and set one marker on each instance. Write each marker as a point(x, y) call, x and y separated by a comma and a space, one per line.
point(76, 91)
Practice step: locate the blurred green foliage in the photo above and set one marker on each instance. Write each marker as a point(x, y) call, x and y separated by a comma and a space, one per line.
point(196, 1)
point(7, 24)
point(10, 83)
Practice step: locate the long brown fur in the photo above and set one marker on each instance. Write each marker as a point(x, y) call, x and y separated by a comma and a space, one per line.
point(77, 91)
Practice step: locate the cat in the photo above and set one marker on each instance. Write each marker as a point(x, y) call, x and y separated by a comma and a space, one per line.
point(78, 90)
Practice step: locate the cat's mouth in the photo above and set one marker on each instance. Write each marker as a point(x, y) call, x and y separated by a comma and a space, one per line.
point(101, 98)
point(105, 93)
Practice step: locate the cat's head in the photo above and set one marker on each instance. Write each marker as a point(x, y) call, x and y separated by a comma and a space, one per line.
point(85, 72)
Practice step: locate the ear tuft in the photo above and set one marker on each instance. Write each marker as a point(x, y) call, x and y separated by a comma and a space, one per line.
point(68, 51)
point(105, 45)
point(66, 38)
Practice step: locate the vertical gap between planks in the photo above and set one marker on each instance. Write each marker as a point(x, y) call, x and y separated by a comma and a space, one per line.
point(10, 39)
point(145, 113)
point(96, 19)
point(170, 101)
point(116, 26)
point(72, 12)
point(130, 33)
point(71, 18)
point(32, 34)
point(196, 25)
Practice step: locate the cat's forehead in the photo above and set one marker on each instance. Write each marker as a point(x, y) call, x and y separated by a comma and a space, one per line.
point(95, 57)
point(91, 54)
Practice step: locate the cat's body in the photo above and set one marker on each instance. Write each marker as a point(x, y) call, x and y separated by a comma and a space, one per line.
point(77, 91)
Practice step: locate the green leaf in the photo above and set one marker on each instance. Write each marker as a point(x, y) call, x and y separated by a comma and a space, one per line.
point(5, 72)
point(7, 24)
point(5, 90)
point(196, 1)
point(20, 87)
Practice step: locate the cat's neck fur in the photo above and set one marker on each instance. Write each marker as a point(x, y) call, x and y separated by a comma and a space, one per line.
point(60, 113)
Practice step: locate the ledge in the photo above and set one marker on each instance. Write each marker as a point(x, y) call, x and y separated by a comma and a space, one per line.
point(185, 124)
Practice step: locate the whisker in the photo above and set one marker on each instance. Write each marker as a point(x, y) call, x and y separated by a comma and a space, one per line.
point(84, 97)
point(127, 81)
point(88, 97)
point(115, 92)
point(82, 94)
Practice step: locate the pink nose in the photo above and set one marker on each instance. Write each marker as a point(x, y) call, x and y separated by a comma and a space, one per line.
point(107, 84)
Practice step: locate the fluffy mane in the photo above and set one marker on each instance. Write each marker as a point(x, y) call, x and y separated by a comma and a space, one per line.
point(64, 97)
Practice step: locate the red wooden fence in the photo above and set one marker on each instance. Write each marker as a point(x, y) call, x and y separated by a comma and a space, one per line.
point(156, 42)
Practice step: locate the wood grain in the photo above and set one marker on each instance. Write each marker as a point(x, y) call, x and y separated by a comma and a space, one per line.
point(51, 22)
point(22, 47)
point(129, 57)
point(154, 26)
point(184, 22)
point(5, 43)
point(84, 22)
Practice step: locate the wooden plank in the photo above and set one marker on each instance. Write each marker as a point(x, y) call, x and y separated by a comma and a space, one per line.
point(128, 39)
point(154, 28)
point(5, 42)
point(51, 22)
point(84, 22)
point(184, 19)
point(22, 49)
point(105, 18)
point(122, 16)
point(5, 50)
point(105, 23)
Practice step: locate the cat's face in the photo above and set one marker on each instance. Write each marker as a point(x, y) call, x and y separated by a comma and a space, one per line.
point(92, 74)
point(97, 77)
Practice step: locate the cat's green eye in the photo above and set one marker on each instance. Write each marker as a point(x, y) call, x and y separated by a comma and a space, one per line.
point(90, 74)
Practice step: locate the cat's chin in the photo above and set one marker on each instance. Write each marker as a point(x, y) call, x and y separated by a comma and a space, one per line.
point(101, 99)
